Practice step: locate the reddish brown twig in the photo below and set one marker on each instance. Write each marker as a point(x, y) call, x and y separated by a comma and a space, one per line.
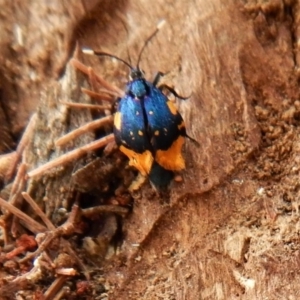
point(70, 156)
point(15, 199)
point(89, 71)
point(108, 95)
point(24, 242)
point(18, 181)
point(84, 105)
point(87, 212)
point(66, 229)
point(66, 271)
point(83, 129)
point(55, 287)
point(31, 224)
point(38, 211)
point(26, 137)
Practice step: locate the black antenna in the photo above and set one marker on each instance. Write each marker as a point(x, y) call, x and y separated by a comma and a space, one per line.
point(158, 27)
point(100, 53)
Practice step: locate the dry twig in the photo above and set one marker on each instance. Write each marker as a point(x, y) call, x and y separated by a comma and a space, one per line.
point(70, 156)
point(55, 287)
point(83, 129)
point(31, 224)
point(26, 138)
point(38, 211)
point(89, 71)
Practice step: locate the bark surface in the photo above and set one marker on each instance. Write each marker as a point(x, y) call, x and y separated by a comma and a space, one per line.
point(230, 229)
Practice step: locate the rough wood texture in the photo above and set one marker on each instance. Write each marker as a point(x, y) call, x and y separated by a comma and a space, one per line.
point(54, 120)
point(230, 230)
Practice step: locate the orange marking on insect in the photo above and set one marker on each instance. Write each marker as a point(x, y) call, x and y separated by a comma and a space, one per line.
point(141, 161)
point(118, 120)
point(171, 159)
point(172, 108)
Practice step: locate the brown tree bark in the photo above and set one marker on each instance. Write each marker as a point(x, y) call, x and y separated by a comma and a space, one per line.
point(230, 229)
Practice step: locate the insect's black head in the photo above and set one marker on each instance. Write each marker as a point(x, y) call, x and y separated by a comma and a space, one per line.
point(136, 74)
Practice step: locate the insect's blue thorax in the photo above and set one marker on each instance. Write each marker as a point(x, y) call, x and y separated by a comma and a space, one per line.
point(138, 88)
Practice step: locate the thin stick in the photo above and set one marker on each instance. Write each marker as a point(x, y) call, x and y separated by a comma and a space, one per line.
point(70, 156)
point(20, 175)
point(83, 129)
point(65, 229)
point(114, 94)
point(31, 224)
point(81, 265)
point(98, 96)
point(83, 105)
point(88, 70)
point(38, 211)
point(55, 287)
point(62, 293)
point(87, 212)
point(66, 271)
point(15, 198)
point(26, 137)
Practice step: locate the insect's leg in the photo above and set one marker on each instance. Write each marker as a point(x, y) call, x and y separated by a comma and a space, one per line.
point(171, 90)
point(157, 77)
point(193, 140)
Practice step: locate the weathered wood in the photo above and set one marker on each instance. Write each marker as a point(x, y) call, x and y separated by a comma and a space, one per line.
point(230, 229)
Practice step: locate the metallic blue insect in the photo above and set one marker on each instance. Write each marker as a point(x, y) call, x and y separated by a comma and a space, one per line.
point(147, 126)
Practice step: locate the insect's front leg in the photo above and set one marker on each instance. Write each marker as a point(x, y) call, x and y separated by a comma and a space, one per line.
point(165, 86)
point(158, 77)
point(172, 91)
